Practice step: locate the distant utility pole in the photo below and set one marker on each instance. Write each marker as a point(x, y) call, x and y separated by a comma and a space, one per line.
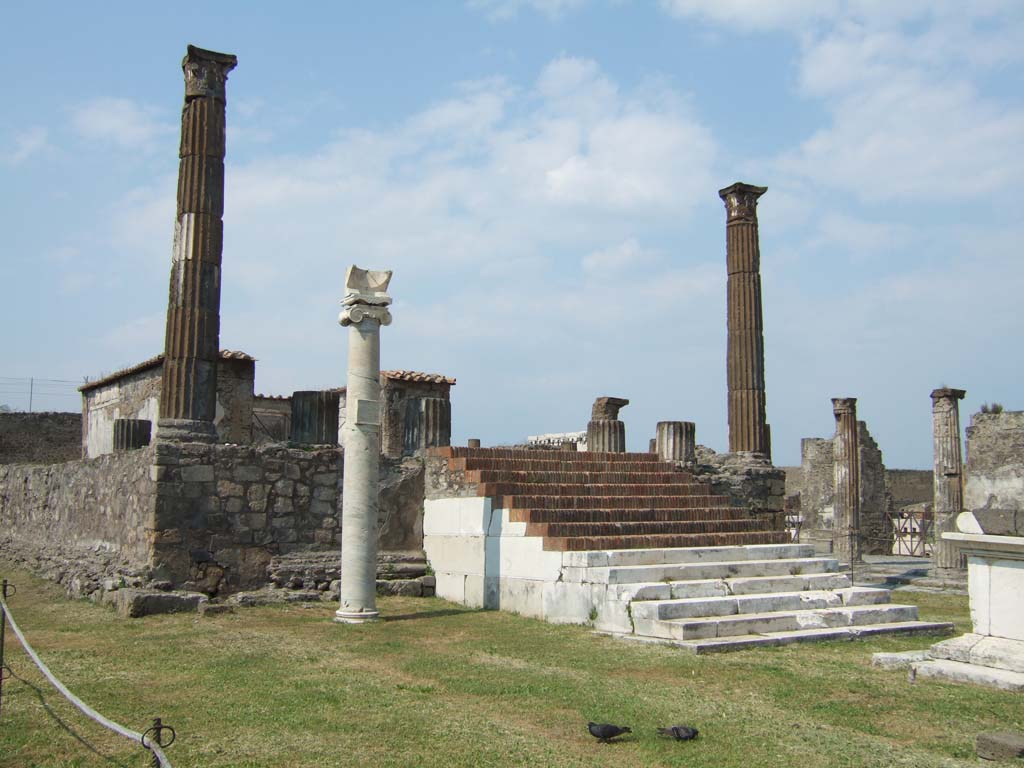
point(31, 386)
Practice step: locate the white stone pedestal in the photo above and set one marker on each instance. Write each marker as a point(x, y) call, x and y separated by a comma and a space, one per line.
point(993, 654)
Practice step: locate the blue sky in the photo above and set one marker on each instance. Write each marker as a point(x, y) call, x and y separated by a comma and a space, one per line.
point(542, 177)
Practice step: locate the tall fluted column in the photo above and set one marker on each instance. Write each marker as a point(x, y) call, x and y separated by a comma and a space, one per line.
point(846, 456)
point(365, 311)
point(188, 398)
point(948, 481)
point(745, 356)
point(676, 441)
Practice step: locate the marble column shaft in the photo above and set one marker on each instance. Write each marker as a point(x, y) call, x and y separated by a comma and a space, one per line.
point(745, 354)
point(188, 398)
point(846, 456)
point(364, 314)
point(948, 479)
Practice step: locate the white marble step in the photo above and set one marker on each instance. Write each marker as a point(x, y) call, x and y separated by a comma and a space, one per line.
point(775, 602)
point(633, 574)
point(782, 621)
point(753, 585)
point(627, 557)
point(741, 642)
point(963, 672)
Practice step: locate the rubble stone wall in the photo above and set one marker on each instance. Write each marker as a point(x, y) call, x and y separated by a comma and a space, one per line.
point(95, 515)
point(749, 481)
point(40, 438)
point(995, 462)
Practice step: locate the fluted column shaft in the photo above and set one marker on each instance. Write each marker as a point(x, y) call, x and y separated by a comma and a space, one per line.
point(676, 441)
point(606, 436)
point(948, 479)
point(188, 399)
point(745, 354)
point(846, 468)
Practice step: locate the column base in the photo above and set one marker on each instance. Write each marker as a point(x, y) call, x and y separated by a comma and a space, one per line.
point(356, 617)
point(186, 431)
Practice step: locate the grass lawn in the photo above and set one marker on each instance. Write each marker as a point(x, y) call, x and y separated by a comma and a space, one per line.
point(439, 685)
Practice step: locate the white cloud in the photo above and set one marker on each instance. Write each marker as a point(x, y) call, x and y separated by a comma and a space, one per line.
point(26, 144)
point(753, 14)
point(119, 121)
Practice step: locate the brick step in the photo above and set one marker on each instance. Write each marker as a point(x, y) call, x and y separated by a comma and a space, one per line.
point(581, 478)
point(753, 553)
point(575, 543)
point(459, 452)
point(729, 569)
point(692, 514)
point(558, 465)
point(775, 602)
point(768, 639)
point(610, 502)
point(770, 622)
point(632, 490)
point(617, 528)
point(756, 585)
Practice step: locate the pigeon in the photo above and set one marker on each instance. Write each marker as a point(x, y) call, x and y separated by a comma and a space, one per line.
point(679, 732)
point(604, 731)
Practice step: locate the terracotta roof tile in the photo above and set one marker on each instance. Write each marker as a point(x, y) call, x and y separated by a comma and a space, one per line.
point(417, 376)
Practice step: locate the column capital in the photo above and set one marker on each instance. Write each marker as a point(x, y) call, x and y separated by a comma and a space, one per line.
point(206, 72)
point(844, 405)
point(948, 393)
point(741, 201)
point(366, 296)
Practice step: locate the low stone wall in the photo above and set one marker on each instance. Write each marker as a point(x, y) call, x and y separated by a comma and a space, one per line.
point(208, 518)
point(40, 438)
point(80, 521)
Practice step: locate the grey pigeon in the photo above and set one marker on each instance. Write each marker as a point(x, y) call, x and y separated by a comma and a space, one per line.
point(679, 732)
point(604, 731)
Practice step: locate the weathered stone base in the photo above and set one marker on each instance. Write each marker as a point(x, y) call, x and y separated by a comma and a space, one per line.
point(958, 672)
point(186, 431)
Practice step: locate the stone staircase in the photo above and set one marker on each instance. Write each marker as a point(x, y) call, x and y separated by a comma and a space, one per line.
point(628, 543)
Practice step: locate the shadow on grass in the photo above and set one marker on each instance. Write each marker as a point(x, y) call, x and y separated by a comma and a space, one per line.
point(429, 614)
point(64, 726)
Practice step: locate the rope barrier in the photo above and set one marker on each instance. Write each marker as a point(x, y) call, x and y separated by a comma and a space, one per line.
point(150, 739)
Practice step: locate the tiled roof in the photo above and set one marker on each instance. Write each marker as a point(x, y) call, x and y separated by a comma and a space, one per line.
point(153, 362)
point(425, 378)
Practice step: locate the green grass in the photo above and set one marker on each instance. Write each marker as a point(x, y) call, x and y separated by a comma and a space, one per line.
point(439, 685)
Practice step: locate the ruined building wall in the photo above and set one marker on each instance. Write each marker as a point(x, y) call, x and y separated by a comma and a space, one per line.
point(875, 529)
point(135, 394)
point(92, 513)
point(995, 463)
point(40, 438)
point(811, 489)
point(907, 487)
point(271, 419)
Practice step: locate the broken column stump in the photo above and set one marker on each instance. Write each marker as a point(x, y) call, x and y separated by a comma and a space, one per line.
point(605, 433)
point(130, 434)
point(676, 441)
point(315, 417)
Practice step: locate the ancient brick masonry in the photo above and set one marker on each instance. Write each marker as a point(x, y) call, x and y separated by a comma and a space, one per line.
point(191, 348)
point(748, 430)
point(948, 486)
